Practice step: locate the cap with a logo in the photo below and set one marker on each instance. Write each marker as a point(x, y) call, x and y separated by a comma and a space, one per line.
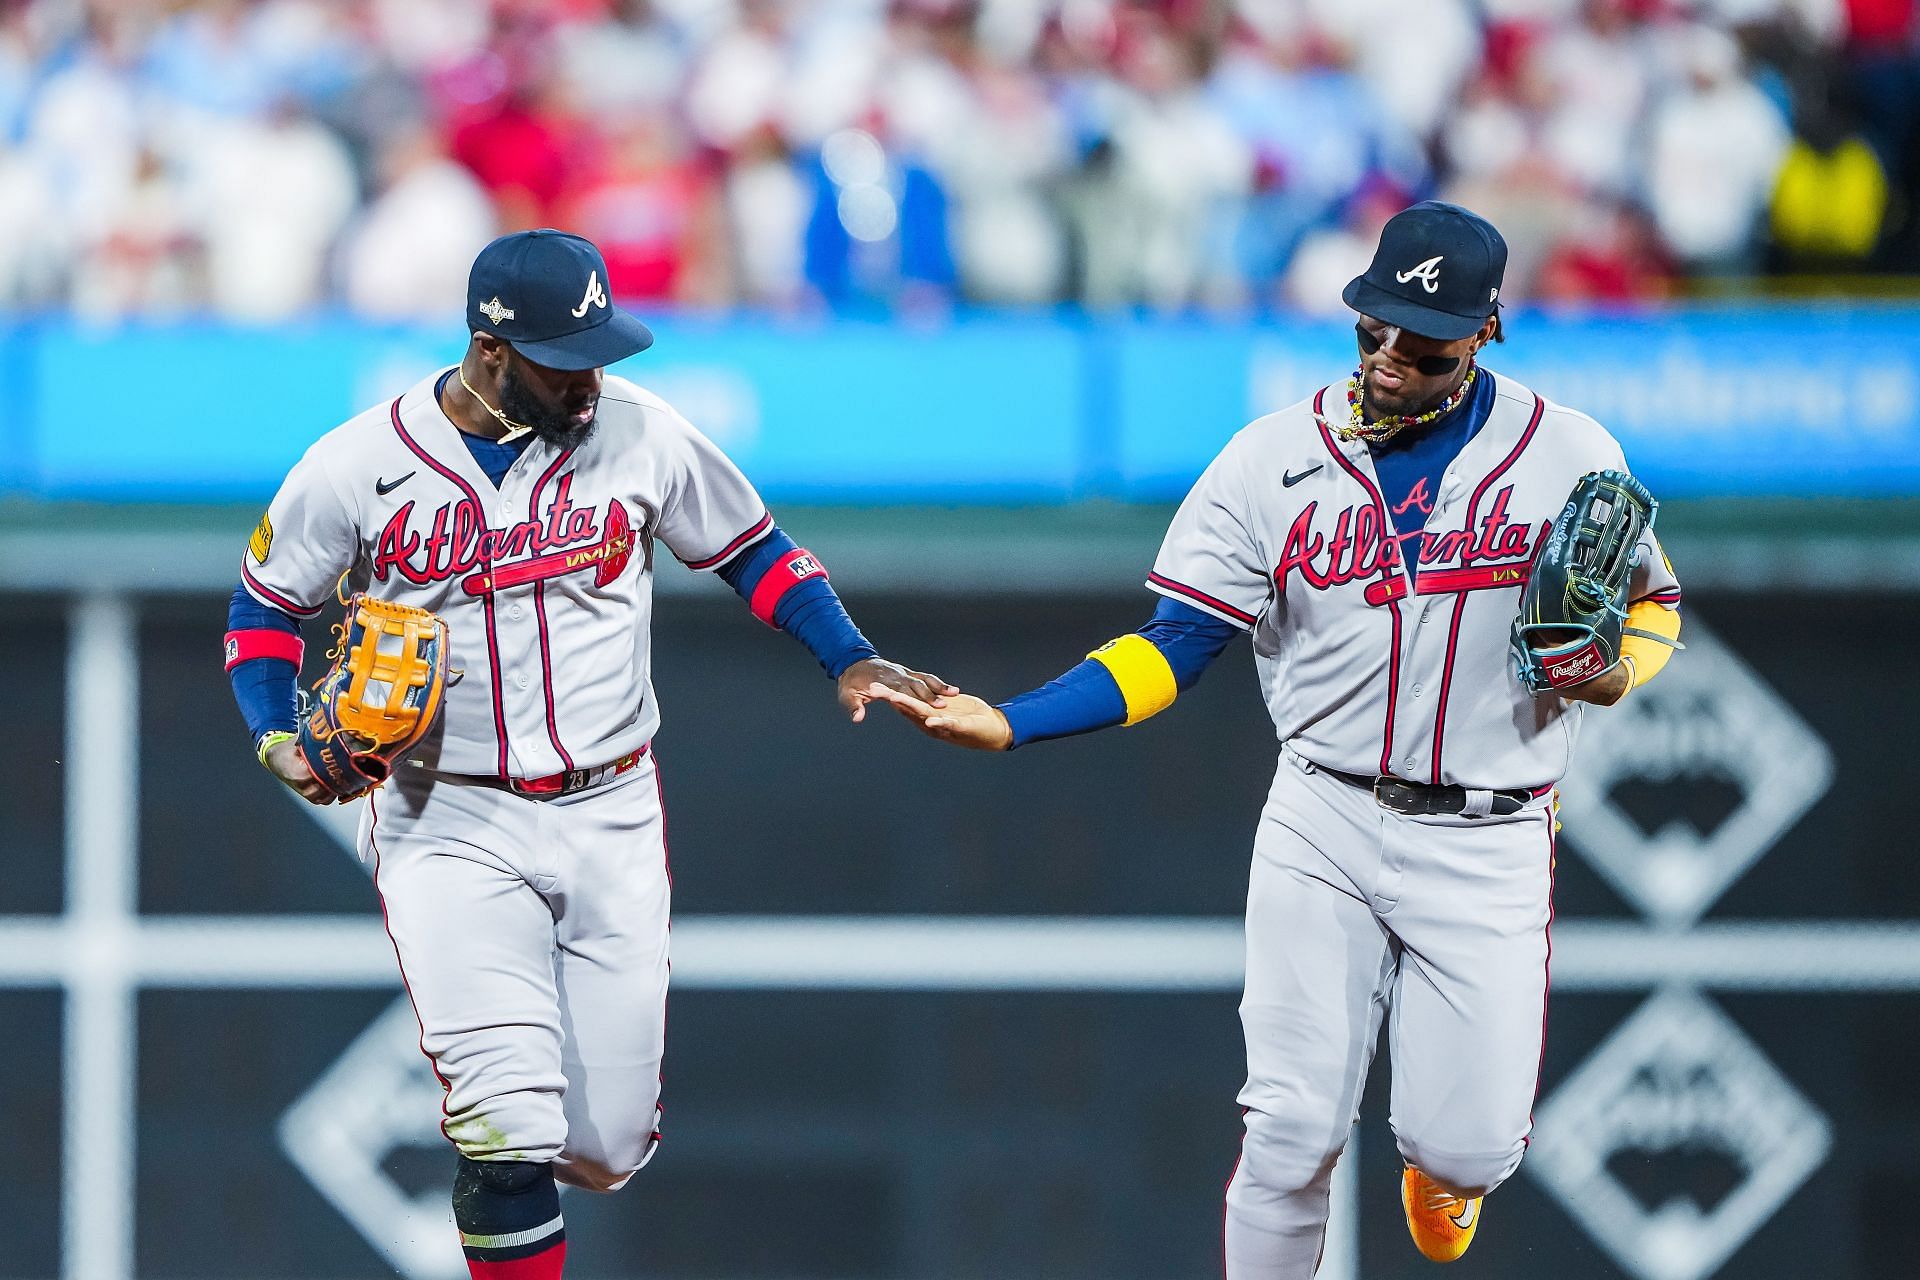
point(1436, 273)
point(546, 293)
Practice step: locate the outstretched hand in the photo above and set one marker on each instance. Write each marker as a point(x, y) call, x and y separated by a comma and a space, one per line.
point(959, 718)
point(858, 681)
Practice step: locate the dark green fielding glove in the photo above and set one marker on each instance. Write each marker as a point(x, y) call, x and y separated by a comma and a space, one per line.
point(1574, 609)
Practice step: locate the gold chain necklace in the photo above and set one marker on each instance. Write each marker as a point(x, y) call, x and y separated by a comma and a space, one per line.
point(514, 429)
point(1381, 430)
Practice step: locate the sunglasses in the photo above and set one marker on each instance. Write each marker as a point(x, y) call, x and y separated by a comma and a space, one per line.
point(1429, 366)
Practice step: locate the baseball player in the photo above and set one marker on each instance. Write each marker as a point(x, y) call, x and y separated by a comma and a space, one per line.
point(519, 852)
point(1374, 540)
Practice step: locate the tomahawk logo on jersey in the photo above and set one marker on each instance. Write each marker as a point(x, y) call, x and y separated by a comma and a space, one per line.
point(451, 542)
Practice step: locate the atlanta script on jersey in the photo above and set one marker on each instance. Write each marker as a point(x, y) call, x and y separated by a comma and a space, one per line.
point(554, 569)
point(1383, 649)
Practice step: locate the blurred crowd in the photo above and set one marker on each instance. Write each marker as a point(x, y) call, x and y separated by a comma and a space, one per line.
point(262, 158)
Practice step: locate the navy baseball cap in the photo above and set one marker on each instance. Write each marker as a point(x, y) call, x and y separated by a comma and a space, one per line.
point(1436, 273)
point(545, 292)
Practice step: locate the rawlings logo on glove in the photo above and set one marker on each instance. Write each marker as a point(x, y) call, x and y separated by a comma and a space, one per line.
point(380, 698)
point(1574, 610)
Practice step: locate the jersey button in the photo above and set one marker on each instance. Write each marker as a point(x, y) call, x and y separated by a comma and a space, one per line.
point(1416, 691)
point(520, 679)
point(516, 612)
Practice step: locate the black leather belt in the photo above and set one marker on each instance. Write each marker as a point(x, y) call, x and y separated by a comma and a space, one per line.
point(1417, 799)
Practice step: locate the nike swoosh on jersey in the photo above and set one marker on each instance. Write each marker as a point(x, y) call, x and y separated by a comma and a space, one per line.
point(1289, 479)
point(385, 487)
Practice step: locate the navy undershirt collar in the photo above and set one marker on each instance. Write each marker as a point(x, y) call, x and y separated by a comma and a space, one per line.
point(495, 457)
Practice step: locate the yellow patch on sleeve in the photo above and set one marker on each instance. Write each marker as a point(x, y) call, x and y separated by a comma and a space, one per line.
point(262, 540)
point(1141, 671)
point(1645, 657)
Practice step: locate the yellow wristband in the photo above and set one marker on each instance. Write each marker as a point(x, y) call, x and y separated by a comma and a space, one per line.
point(1141, 671)
point(268, 741)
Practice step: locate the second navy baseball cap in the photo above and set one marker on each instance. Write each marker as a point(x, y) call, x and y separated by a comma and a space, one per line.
point(545, 292)
point(1436, 273)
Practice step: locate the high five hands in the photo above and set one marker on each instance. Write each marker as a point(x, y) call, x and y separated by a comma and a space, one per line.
point(872, 679)
point(959, 718)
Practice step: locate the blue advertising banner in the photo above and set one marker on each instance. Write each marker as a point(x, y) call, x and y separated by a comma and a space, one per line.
point(839, 411)
point(1803, 400)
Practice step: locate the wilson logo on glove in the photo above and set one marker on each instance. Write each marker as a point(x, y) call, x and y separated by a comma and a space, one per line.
point(380, 697)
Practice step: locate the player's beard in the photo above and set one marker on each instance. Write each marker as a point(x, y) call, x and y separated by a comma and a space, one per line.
point(554, 425)
point(1397, 407)
point(1376, 408)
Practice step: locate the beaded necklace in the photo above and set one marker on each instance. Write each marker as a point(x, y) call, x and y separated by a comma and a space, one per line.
point(1381, 430)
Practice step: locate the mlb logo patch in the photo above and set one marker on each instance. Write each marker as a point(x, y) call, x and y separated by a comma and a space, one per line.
point(233, 650)
point(803, 565)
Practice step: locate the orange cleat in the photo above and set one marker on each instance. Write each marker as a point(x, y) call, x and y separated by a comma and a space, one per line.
point(1441, 1223)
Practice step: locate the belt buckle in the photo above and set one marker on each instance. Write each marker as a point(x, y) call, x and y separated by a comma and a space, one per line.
point(1385, 787)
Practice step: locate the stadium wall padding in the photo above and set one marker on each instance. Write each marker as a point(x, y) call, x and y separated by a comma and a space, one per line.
point(1017, 1135)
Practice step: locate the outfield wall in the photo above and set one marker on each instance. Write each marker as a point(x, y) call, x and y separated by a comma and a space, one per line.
point(942, 1016)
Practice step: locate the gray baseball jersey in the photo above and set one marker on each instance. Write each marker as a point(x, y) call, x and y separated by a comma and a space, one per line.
point(551, 571)
point(1287, 535)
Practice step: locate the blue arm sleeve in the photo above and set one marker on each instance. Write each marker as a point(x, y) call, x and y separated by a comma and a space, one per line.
point(1189, 639)
point(744, 571)
point(263, 687)
point(1087, 698)
point(1077, 701)
point(811, 612)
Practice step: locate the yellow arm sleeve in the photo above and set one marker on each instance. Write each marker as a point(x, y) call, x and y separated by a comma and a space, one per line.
point(1141, 670)
point(1645, 657)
